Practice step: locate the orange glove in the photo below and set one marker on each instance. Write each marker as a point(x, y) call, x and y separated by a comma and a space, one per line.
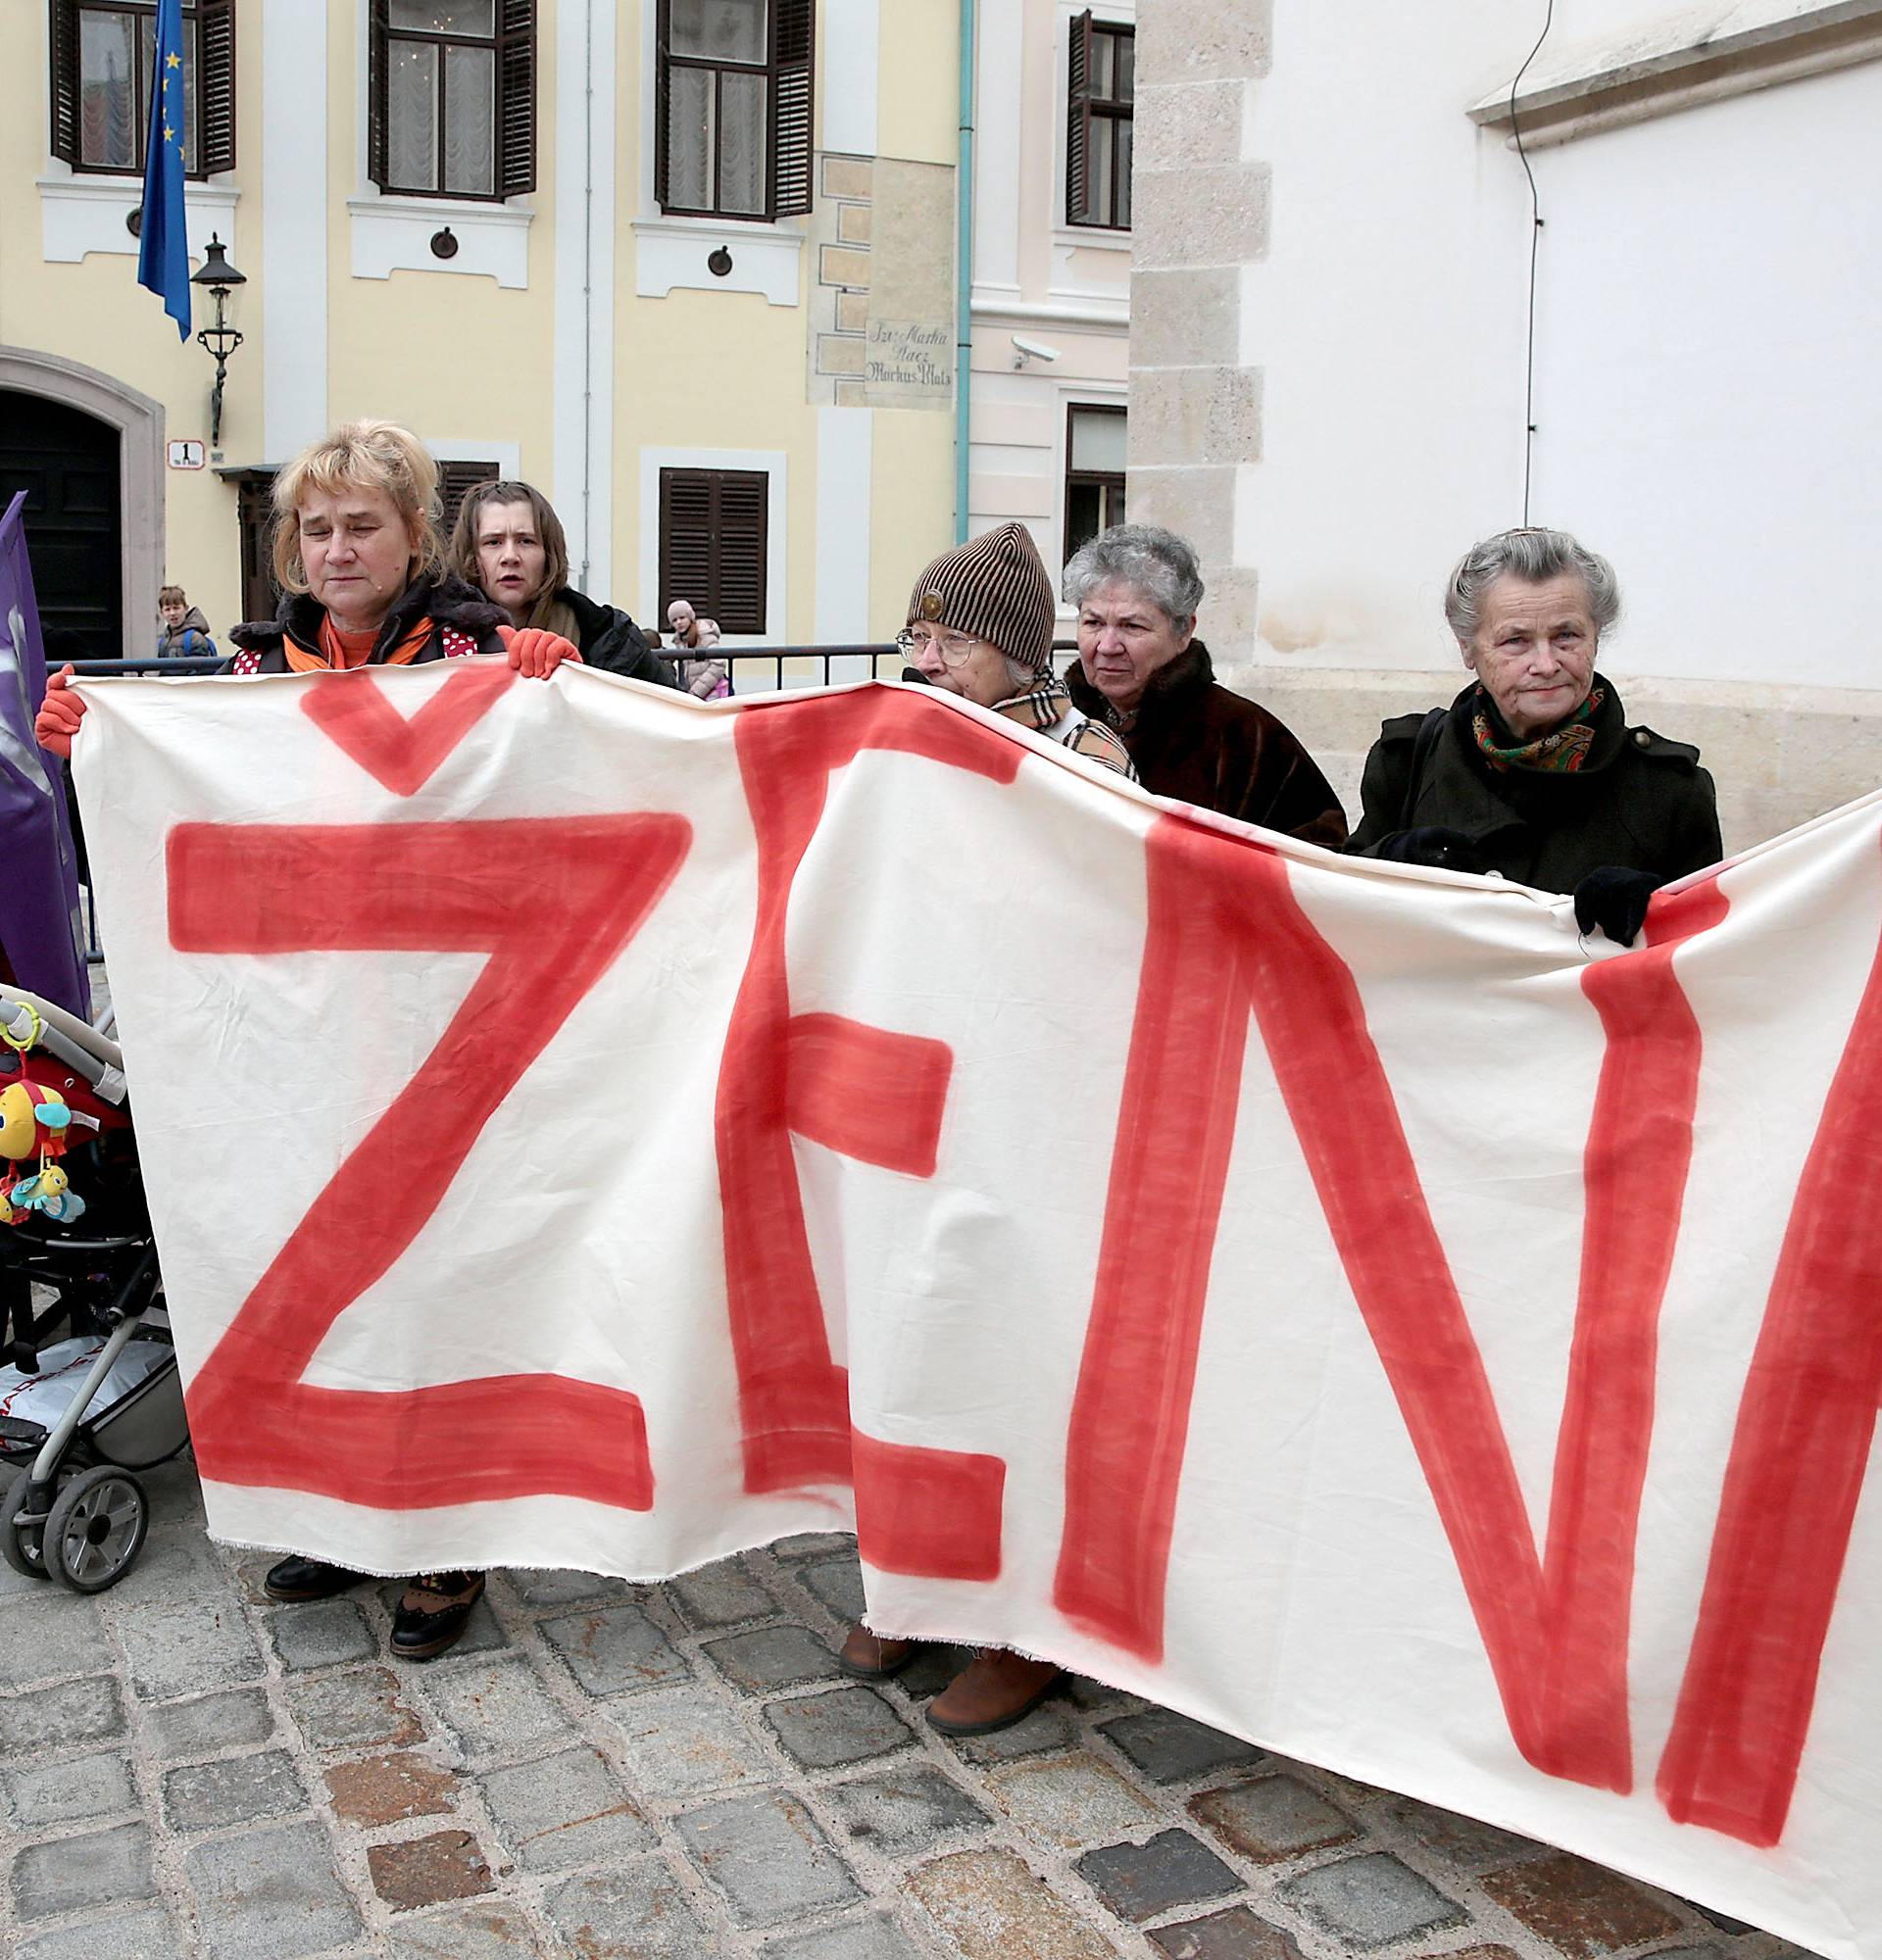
point(59, 714)
point(536, 654)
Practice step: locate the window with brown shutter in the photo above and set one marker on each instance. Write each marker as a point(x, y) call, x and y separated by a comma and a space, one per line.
point(215, 98)
point(451, 97)
point(102, 53)
point(733, 104)
point(516, 97)
point(255, 526)
point(714, 544)
point(456, 481)
point(1101, 87)
point(1093, 470)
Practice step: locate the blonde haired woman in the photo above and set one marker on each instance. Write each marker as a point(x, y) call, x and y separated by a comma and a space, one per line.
point(361, 567)
point(358, 556)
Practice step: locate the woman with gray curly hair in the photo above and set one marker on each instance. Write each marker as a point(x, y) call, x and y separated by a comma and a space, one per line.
point(1532, 770)
point(1142, 672)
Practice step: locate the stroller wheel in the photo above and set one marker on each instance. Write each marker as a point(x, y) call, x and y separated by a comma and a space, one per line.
point(96, 1529)
point(19, 1544)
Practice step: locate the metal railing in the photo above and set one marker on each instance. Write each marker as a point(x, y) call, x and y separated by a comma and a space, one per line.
point(874, 661)
point(152, 663)
point(818, 666)
point(822, 666)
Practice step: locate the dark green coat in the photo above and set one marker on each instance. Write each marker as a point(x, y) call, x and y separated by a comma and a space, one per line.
point(1639, 800)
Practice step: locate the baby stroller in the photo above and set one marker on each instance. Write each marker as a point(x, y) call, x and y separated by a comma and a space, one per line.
point(89, 1393)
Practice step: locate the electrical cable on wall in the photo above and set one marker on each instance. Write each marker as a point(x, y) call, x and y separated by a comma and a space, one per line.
point(1535, 241)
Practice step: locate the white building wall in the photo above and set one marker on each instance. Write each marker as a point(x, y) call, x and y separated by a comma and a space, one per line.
point(1331, 331)
point(294, 186)
point(1387, 320)
point(1058, 287)
point(1708, 291)
point(1708, 402)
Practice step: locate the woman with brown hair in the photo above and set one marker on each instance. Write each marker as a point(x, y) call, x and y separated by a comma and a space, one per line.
point(508, 542)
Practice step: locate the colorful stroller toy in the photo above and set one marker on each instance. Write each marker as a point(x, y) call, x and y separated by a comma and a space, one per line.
point(80, 1415)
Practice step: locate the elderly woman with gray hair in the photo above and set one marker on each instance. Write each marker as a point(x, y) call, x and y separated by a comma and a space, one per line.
point(1532, 771)
point(1142, 672)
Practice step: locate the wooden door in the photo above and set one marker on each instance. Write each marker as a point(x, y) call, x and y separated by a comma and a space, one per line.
point(68, 463)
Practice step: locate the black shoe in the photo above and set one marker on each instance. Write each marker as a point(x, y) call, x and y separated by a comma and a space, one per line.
point(434, 1613)
point(308, 1579)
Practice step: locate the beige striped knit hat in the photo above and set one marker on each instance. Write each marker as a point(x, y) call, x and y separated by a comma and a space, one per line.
point(995, 588)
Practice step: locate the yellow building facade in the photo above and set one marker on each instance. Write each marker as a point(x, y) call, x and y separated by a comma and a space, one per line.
point(630, 322)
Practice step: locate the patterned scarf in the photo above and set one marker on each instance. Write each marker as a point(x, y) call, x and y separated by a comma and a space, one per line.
point(1047, 706)
point(1560, 752)
point(1038, 709)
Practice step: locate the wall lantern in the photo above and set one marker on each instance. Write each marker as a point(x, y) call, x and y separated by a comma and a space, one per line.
point(220, 341)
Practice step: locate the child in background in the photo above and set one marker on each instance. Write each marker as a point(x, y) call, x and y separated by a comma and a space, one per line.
point(186, 632)
point(709, 680)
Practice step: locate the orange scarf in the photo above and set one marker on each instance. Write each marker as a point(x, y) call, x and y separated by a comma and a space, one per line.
point(340, 650)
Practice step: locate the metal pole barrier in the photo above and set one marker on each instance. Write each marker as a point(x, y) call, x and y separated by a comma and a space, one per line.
point(154, 664)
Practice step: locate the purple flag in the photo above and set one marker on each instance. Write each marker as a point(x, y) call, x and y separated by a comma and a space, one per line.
point(41, 937)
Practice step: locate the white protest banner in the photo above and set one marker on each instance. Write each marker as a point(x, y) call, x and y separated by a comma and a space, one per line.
point(586, 1128)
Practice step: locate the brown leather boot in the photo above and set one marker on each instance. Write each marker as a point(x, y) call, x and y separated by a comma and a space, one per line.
point(434, 1614)
point(994, 1691)
point(870, 1657)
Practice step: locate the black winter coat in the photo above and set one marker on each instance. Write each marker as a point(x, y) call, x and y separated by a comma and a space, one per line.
point(1197, 741)
point(1639, 800)
point(608, 638)
point(446, 601)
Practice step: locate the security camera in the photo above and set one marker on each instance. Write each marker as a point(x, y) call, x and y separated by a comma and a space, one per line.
point(1031, 350)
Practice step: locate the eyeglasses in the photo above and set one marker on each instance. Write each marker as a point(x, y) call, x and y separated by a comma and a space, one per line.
point(956, 649)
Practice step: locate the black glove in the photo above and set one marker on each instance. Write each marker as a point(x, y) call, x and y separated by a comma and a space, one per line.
point(916, 677)
point(1614, 899)
point(1432, 844)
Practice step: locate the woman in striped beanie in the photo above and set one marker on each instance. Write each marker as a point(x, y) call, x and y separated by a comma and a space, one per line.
point(980, 625)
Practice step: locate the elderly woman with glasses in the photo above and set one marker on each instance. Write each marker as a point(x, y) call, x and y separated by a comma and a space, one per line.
point(980, 626)
point(1532, 771)
point(1143, 672)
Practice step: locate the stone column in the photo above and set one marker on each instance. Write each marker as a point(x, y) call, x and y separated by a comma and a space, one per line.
point(1200, 213)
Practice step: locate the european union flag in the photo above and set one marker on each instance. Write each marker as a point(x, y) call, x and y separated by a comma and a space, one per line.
point(163, 255)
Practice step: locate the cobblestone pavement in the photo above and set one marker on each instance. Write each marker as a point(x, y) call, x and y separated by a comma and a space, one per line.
point(602, 1769)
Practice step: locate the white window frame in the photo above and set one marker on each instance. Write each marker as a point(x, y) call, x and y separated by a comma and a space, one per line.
point(1085, 238)
point(1067, 396)
point(388, 234)
point(671, 252)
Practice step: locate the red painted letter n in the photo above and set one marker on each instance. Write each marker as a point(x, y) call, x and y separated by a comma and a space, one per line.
point(1223, 916)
